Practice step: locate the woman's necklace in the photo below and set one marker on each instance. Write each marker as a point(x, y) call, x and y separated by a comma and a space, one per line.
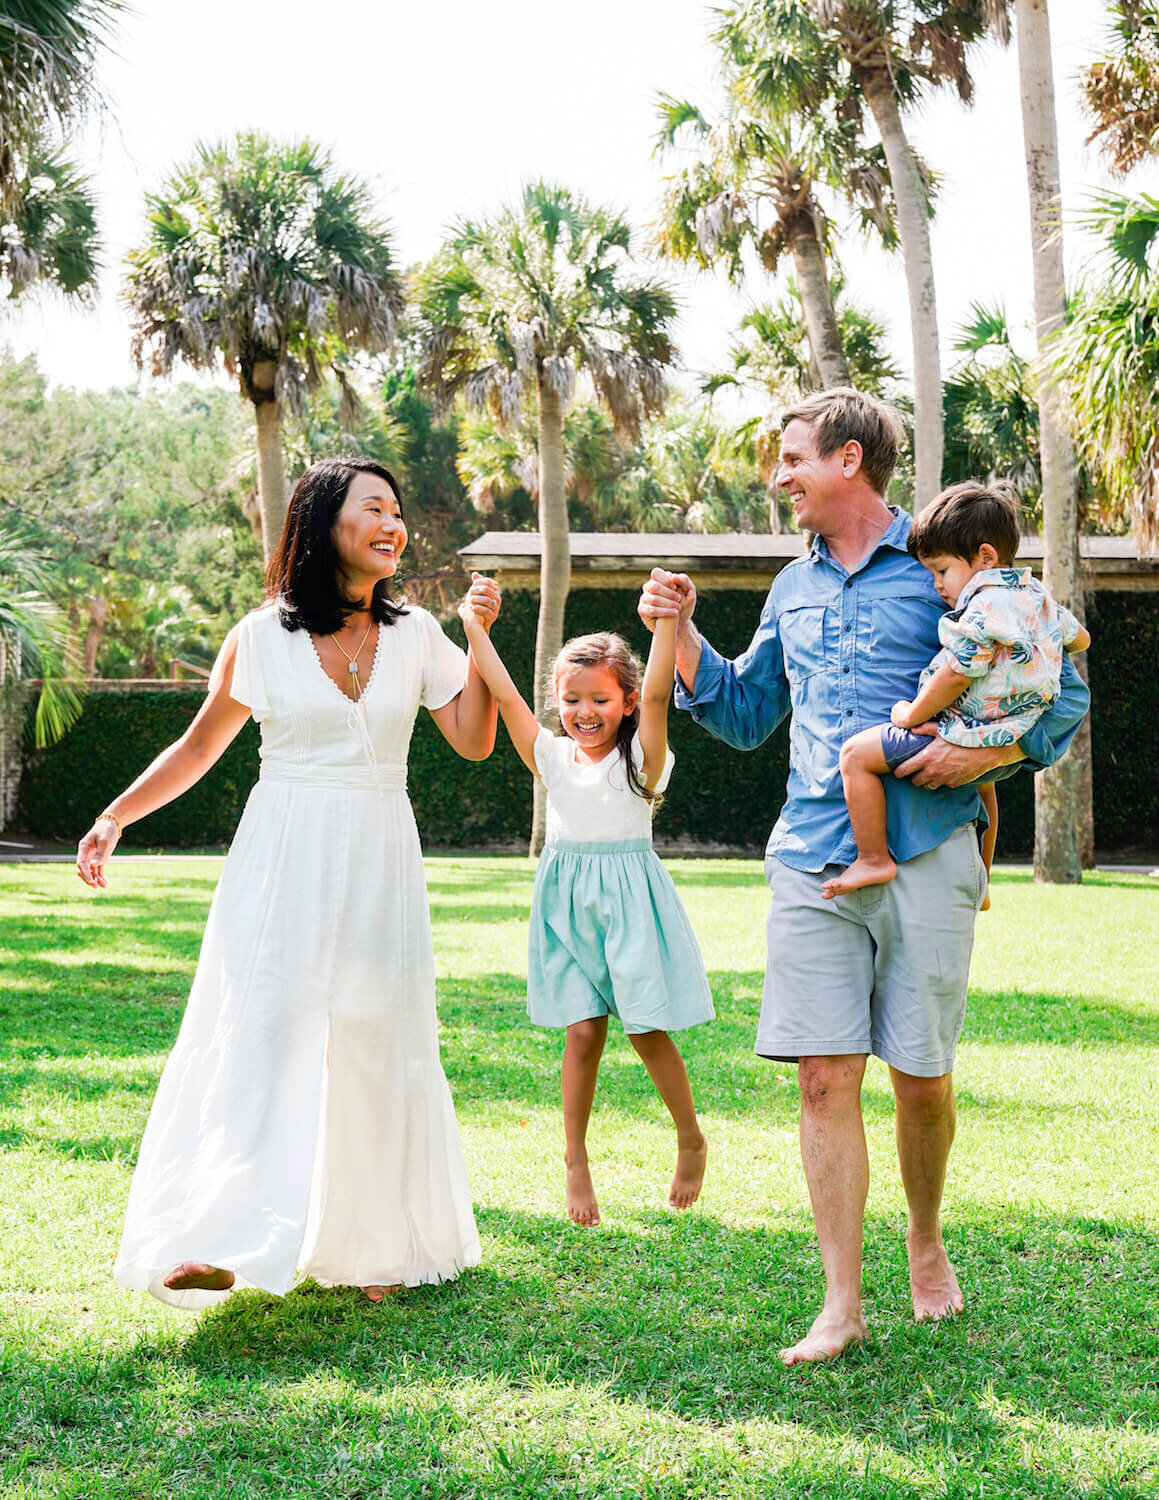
point(352, 661)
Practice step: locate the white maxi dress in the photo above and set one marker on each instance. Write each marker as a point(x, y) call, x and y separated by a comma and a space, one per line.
point(303, 1123)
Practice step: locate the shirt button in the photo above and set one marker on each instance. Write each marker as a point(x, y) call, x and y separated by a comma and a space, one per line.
point(848, 713)
point(845, 670)
point(848, 628)
point(849, 583)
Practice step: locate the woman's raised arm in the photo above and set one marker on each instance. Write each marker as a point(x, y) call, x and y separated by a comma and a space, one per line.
point(217, 724)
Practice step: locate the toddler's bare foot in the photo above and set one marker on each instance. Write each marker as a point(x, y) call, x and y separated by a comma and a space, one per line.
point(933, 1283)
point(861, 872)
point(582, 1208)
point(689, 1175)
point(831, 1334)
point(197, 1276)
point(377, 1293)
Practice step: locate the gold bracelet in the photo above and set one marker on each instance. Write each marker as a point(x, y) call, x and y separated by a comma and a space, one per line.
point(114, 819)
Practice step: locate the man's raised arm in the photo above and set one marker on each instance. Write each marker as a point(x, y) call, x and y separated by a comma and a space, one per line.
point(741, 701)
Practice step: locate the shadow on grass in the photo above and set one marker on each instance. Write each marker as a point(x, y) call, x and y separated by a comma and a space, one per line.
point(676, 1317)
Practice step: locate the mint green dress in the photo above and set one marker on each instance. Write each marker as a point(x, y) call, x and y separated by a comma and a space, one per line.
point(609, 934)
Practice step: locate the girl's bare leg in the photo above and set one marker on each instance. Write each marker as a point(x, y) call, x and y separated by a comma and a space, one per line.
point(862, 767)
point(581, 1065)
point(989, 795)
point(667, 1071)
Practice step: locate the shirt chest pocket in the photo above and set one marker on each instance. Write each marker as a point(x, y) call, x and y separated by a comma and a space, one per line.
point(903, 629)
point(808, 637)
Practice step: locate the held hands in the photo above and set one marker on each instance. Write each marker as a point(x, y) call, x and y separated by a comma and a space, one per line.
point(666, 596)
point(95, 850)
point(479, 606)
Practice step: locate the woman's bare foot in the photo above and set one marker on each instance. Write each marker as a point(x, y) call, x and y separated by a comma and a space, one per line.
point(986, 899)
point(689, 1175)
point(831, 1334)
point(197, 1276)
point(582, 1208)
point(861, 872)
point(377, 1293)
point(933, 1282)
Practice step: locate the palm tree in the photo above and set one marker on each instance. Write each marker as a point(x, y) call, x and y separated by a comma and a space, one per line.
point(991, 411)
point(1058, 792)
point(263, 255)
point(886, 54)
point(777, 146)
point(1121, 91)
point(48, 53)
point(34, 643)
point(510, 311)
point(1108, 358)
point(772, 356)
point(48, 228)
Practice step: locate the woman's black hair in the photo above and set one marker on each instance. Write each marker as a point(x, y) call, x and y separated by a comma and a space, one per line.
point(304, 572)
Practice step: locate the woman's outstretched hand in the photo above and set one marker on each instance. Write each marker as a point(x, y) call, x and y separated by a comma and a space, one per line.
point(95, 850)
point(481, 602)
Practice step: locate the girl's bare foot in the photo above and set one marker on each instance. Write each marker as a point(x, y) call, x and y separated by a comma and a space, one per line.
point(377, 1293)
point(197, 1276)
point(861, 872)
point(831, 1334)
point(689, 1175)
point(582, 1208)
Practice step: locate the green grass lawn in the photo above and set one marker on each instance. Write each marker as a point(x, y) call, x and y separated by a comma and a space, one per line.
point(640, 1358)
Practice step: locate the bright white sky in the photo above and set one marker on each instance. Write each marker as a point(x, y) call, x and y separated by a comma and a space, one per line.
point(448, 107)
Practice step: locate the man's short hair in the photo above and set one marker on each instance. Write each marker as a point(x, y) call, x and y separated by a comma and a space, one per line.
point(965, 516)
point(843, 415)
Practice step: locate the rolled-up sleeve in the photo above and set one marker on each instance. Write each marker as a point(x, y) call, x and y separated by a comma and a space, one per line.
point(741, 701)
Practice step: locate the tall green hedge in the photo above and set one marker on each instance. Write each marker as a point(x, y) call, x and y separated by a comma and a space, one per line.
point(718, 795)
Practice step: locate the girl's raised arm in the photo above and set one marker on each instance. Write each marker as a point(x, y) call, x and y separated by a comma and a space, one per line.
point(654, 699)
point(520, 721)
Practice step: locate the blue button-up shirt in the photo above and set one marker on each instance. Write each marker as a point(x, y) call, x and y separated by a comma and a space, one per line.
point(838, 649)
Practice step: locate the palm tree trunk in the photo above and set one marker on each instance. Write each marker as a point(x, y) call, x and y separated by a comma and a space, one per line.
point(817, 301)
point(554, 570)
point(98, 615)
point(1058, 814)
point(271, 469)
point(913, 225)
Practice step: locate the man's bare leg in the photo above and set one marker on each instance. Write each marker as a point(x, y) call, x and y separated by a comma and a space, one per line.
point(837, 1170)
point(581, 1065)
point(666, 1069)
point(197, 1276)
point(925, 1133)
point(862, 767)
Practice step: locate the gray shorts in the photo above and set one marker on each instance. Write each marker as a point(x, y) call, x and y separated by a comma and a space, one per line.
point(881, 970)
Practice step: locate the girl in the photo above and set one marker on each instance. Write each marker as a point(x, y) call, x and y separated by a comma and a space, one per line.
point(608, 933)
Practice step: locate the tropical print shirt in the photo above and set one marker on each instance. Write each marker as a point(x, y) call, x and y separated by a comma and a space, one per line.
point(1009, 637)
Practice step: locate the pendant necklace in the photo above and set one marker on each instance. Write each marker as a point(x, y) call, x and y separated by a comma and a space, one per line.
point(352, 661)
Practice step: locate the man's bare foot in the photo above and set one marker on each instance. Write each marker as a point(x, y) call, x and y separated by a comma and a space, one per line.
point(933, 1284)
point(831, 1334)
point(582, 1208)
point(197, 1276)
point(689, 1175)
point(377, 1293)
point(861, 872)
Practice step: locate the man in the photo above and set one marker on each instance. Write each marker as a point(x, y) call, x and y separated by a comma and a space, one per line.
point(844, 633)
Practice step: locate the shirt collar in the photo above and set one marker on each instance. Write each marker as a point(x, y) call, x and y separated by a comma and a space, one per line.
point(1003, 578)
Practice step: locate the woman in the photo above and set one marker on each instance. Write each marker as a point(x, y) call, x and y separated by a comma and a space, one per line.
point(303, 1121)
